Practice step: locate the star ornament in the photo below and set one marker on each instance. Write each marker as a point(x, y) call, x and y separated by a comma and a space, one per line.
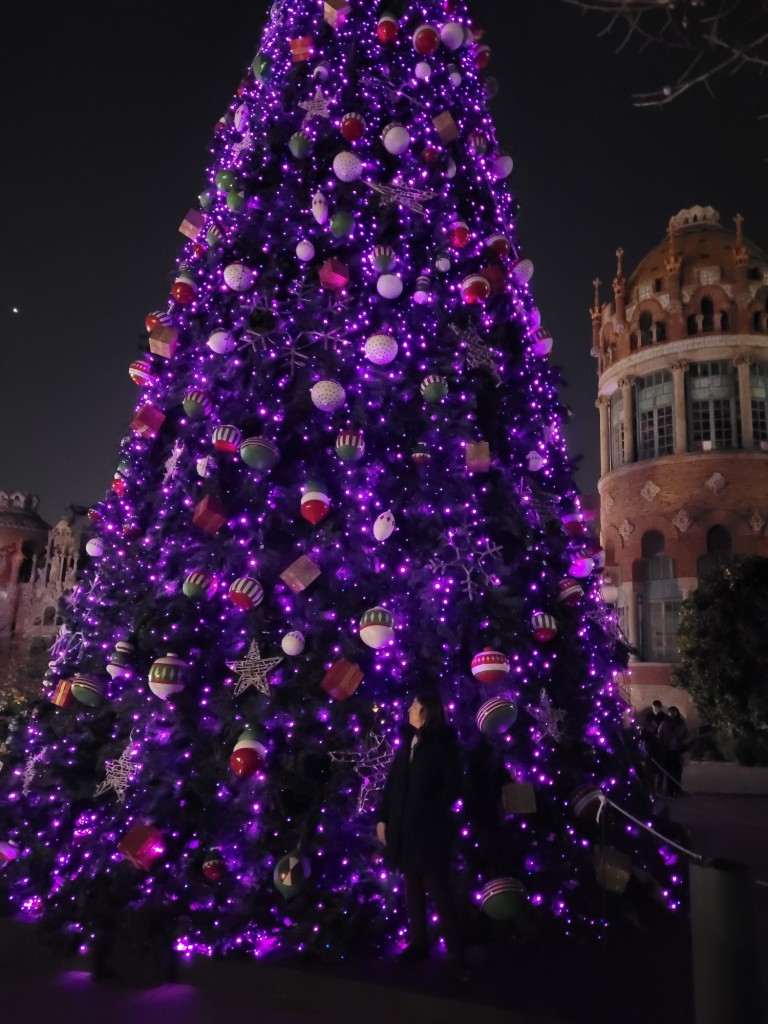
point(252, 670)
point(371, 764)
point(316, 107)
point(549, 718)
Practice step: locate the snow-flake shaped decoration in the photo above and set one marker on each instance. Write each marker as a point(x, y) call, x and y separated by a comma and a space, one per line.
point(252, 670)
point(30, 770)
point(716, 483)
point(626, 530)
point(649, 490)
point(395, 92)
point(317, 107)
point(67, 644)
point(120, 773)
point(607, 619)
point(371, 764)
point(244, 145)
point(172, 462)
point(682, 520)
point(543, 506)
point(3, 750)
point(477, 354)
point(608, 504)
point(549, 718)
point(475, 561)
point(403, 195)
point(756, 521)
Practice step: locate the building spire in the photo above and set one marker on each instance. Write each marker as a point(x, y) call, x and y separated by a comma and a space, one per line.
point(619, 268)
point(672, 262)
point(596, 311)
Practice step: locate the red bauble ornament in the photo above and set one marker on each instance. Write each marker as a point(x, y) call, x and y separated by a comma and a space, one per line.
point(569, 592)
point(483, 56)
point(543, 627)
point(183, 290)
point(430, 155)
point(496, 276)
point(352, 126)
point(475, 288)
point(118, 486)
point(459, 234)
point(490, 666)
point(500, 245)
point(198, 250)
point(214, 866)
point(246, 761)
point(426, 39)
point(158, 318)
point(386, 29)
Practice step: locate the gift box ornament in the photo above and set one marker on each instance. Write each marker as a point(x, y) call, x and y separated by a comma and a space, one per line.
point(478, 456)
point(334, 275)
point(193, 224)
point(613, 869)
point(142, 844)
point(335, 12)
point(163, 341)
point(62, 696)
point(302, 48)
point(148, 421)
point(300, 574)
point(210, 514)
point(446, 127)
point(342, 679)
point(518, 798)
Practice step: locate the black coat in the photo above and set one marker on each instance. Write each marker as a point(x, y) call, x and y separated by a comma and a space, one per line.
point(417, 803)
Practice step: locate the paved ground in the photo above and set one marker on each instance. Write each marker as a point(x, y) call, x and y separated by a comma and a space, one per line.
point(643, 976)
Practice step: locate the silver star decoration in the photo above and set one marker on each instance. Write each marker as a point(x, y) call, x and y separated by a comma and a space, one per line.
point(371, 764)
point(403, 195)
point(172, 462)
point(548, 717)
point(245, 144)
point(30, 770)
point(253, 670)
point(477, 354)
point(316, 107)
point(120, 773)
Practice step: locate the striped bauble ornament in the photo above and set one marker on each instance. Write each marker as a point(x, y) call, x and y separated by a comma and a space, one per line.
point(496, 716)
point(167, 676)
point(89, 690)
point(246, 593)
point(490, 666)
point(226, 438)
point(350, 445)
point(502, 899)
point(543, 627)
point(199, 585)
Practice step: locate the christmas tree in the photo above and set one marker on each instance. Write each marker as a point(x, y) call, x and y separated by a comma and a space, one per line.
point(345, 483)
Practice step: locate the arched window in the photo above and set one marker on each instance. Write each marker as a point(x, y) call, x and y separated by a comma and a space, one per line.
point(719, 551)
point(655, 419)
point(758, 379)
point(760, 319)
point(659, 603)
point(707, 315)
point(712, 406)
point(692, 325)
point(661, 331)
point(645, 324)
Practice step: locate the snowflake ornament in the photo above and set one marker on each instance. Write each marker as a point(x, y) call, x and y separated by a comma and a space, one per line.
point(371, 764)
point(120, 773)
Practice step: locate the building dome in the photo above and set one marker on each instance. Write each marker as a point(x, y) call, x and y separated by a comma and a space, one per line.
point(18, 517)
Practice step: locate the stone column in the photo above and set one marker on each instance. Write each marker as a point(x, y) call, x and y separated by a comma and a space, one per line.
point(603, 404)
point(681, 419)
point(742, 364)
point(626, 384)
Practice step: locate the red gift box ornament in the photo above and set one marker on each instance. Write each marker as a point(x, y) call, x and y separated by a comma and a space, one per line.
point(148, 421)
point(478, 456)
point(163, 340)
point(210, 514)
point(300, 574)
point(342, 679)
point(302, 48)
point(62, 696)
point(142, 844)
point(334, 275)
point(446, 127)
point(193, 224)
point(335, 12)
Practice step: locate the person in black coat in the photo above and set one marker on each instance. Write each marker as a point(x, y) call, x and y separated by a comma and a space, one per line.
point(416, 823)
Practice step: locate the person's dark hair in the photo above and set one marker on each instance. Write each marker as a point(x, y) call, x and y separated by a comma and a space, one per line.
point(656, 704)
point(434, 712)
point(673, 708)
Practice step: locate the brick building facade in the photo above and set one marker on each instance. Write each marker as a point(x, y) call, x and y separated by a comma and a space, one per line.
point(682, 362)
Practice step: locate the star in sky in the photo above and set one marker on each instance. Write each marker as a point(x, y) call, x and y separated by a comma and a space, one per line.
point(548, 717)
point(253, 669)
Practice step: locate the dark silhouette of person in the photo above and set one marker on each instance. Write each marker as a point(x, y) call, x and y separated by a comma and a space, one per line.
point(673, 737)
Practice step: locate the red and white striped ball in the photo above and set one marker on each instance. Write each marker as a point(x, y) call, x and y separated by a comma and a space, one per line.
point(140, 372)
point(475, 288)
point(226, 438)
point(158, 318)
point(569, 592)
point(246, 593)
point(543, 627)
point(490, 666)
point(352, 126)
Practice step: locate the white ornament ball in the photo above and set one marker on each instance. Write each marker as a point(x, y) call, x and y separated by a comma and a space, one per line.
point(380, 349)
point(389, 286)
point(534, 318)
point(95, 547)
point(384, 525)
point(347, 166)
point(453, 35)
point(305, 251)
point(502, 166)
point(450, 170)
point(396, 139)
point(321, 71)
point(423, 70)
point(241, 117)
point(239, 277)
point(327, 395)
point(293, 643)
point(205, 466)
point(535, 461)
point(319, 207)
point(221, 342)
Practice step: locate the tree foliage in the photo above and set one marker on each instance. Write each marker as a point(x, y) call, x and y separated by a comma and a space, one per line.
point(723, 646)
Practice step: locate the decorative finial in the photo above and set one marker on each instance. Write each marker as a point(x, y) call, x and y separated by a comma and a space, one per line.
point(619, 269)
point(596, 308)
point(672, 233)
point(739, 221)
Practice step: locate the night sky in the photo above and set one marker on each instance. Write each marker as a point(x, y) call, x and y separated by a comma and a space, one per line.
point(110, 107)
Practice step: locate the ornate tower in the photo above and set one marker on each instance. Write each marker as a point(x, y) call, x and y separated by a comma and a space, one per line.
point(682, 363)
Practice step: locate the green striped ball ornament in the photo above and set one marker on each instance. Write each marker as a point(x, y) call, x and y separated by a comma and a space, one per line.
point(167, 676)
point(89, 690)
point(259, 453)
point(199, 585)
point(350, 445)
point(502, 899)
point(434, 388)
point(197, 404)
point(496, 716)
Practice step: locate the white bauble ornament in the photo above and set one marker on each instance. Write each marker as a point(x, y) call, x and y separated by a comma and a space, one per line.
point(423, 70)
point(450, 169)
point(347, 166)
point(241, 118)
point(221, 342)
point(377, 627)
point(501, 166)
point(321, 71)
point(239, 277)
point(319, 207)
point(534, 318)
point(305, 250)
point(453, 35)
point(389, 286)
point(535, 461)
point(454, 76)
point(293, 643)
point(380, 349)
point(384, 525)
point(327, 395)
point(95, 547)
point(396, 138)
point(205, 466)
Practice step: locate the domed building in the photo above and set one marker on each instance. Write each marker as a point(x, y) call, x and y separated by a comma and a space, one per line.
point(682, 361)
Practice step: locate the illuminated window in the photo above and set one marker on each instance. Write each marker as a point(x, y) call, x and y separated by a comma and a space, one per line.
point(659, 604)
point(655, 418)
point(713, 406)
